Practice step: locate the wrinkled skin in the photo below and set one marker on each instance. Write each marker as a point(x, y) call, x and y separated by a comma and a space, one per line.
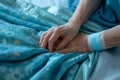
point(78, 44)
point(63, 35)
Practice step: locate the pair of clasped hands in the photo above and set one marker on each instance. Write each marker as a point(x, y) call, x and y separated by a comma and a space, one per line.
point(64, 38)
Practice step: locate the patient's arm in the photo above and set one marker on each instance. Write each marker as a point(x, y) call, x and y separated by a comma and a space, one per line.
point(69, 30)
point(81, 43)
point(112, 37)
point(83, 11)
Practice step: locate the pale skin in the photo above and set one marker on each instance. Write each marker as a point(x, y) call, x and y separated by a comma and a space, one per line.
point(65, 38)
point(80, 43)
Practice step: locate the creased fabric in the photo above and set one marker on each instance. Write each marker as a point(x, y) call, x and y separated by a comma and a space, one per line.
point(107, 15)
point(21, 58)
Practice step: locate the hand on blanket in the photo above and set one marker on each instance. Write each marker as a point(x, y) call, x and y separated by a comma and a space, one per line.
point(78, 44)
point(65, 33)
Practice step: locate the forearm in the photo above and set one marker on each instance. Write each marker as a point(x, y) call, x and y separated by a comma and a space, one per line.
point(112, 37)
point(83, 11)
point(105, 39)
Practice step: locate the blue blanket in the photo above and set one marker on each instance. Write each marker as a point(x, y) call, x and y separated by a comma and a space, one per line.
point(21, 58)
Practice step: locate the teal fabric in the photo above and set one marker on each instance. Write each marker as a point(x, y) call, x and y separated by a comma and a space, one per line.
point(21, 58)
point(107, 15)
point(72, 4)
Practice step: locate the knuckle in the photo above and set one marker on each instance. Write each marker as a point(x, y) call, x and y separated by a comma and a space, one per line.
point(53, 28)
point(45, 37)
point(50, 41)
point(57, 30)
point(56, 33)
point(43, 34)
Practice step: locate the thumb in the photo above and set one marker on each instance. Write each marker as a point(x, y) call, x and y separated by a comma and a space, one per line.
point(63, 43)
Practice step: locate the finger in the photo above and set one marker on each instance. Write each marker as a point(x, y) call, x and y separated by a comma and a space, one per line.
point(44, 43)
point(63, 43)
point(66, 50)
point(54, 37)
point(42, 37)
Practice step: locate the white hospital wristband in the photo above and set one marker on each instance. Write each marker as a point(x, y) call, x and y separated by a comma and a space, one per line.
point(96, 41)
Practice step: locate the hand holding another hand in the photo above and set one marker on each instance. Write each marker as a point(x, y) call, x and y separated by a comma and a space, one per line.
point(61, 35)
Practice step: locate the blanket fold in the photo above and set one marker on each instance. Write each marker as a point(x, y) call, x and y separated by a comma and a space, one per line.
point(21, 58)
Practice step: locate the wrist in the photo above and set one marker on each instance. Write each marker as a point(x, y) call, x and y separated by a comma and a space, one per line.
point(77, 20)
point(96, 41)
point(111, 40)
point(74, 25)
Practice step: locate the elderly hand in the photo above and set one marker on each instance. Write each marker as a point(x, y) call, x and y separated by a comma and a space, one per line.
point(65, 33)
point(78, 44)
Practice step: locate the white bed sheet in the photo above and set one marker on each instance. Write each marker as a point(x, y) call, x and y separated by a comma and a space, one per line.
point(46, 3)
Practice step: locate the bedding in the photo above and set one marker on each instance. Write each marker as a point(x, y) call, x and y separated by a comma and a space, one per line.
point(48, 3)
point(21, 58)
